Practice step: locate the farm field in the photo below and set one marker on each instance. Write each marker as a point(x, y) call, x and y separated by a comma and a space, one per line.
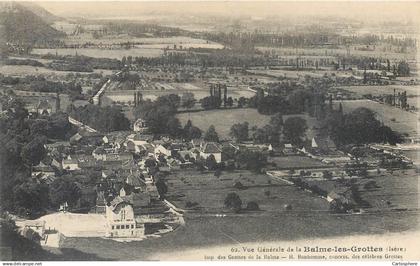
point(22, 70)
point(321, 52)
point(157, 42)
point(414, 101)
point(405, 122)
point(380, 90)
point(295, 162)
point(209, 192)
point(230, 116)
point(400, 189)
point(102, 53)
point(296, 74)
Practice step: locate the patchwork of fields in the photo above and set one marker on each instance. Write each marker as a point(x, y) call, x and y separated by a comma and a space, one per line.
point(380, 90)
point(209, 192)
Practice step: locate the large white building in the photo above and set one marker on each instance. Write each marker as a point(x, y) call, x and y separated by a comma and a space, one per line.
point(120, 220)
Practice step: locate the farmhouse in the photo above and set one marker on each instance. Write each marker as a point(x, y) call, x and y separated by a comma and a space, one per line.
point(164, 149)
point(70, 164)
point(211, 148)
point(44, 107)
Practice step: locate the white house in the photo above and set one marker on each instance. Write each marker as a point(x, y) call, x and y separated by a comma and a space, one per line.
point(70, 164)
point(163, 149)
point(120, 220)
point(211, 148)
point(140, 126)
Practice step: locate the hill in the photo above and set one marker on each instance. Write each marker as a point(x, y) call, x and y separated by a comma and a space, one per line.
point(21, 26)
point(41, 12)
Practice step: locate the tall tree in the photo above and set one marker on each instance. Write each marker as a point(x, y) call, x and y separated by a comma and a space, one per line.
point(211, 135)
point(240, 131)
point(294, 130)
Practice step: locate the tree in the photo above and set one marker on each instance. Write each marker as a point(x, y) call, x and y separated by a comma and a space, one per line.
point(252, 160)
point(30, 198)
point(191, 132)
point(359, 127)
point(211, 162)
point(211, 102)
point(403, 69)
point(294, 130)
point(252, 206)
point(327, 174)
point(174, 128)
point(188, 100)
point(233, 202)
point(39, 127)
point(229, 102)
point(276, 121)
point(211, 135)
point(64, 189)
point(34, 151)
point(239, 131)
point(156, 114)
point(239, 185)
point(266, 134)
point(161, 187)
point(242, 102)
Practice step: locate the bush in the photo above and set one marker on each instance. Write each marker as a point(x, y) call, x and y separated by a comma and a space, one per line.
point(190, 204)
point(233, 202)
point(239, 185)
point(288, 207)
point(252, 206)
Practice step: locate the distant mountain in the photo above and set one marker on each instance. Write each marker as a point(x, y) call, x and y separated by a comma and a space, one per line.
point(19, 25)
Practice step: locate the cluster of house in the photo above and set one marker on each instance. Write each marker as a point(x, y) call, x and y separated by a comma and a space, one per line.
point(126, 192)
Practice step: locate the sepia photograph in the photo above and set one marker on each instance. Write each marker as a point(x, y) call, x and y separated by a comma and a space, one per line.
point(209, 131)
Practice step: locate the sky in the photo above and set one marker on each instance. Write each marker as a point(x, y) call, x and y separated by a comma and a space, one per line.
point(375, 10)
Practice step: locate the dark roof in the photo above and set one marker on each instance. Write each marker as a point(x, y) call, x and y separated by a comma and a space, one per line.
point(211, 147)
point(135, 181)
point(44, 104)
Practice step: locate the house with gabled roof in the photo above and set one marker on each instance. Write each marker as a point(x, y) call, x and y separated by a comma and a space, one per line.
point(120, 220)
point(211, 148)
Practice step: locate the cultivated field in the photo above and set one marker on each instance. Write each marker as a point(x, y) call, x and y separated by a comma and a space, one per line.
point(231, 116)
point(380, 90)
point(209, 192)
point(102, 53)
point(399, 120)
point(397, 190)
point(184, 41)
point(22, 70)
point(287, 162)
point(322, 52)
